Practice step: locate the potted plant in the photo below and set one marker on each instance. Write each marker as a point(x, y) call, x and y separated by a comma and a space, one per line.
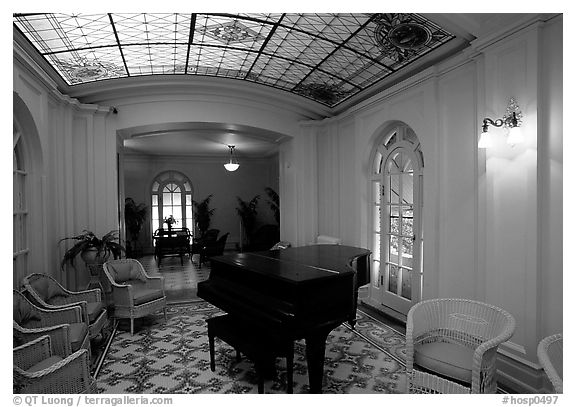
point(273, 202)
point(92, 249)
point(135, 216)
point(247, 212)
point(202, 214)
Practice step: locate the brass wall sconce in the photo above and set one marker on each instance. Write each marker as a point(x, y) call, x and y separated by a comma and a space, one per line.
point(512, 119)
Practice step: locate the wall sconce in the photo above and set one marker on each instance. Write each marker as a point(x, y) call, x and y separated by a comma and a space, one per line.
point(231, 165)
point(512, 119)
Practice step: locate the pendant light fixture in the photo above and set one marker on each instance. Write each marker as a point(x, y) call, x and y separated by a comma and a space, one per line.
point(232, 165)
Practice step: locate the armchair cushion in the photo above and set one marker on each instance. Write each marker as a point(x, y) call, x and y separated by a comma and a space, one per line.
point(448, 359)
point(142, 295)
point(23, 312)
point(122, 272)
point(94, 310)
point(45, 363)
point(77, 334)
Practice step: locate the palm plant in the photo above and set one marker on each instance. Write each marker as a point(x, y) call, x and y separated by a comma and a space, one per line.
point(135, 216)
point(273, 202)
point(202, 214)
point(247, 212)
point(88, 241)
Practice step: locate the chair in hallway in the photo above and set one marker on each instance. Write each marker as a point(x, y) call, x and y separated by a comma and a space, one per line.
point(38, 369)
point(209, 237)
point(451, 345)
point(134, 293)
point(65, 326)
point(213, 249)
point(550, 352)
point(47, 293)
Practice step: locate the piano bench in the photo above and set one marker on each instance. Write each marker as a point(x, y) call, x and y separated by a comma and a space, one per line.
point(257, 345)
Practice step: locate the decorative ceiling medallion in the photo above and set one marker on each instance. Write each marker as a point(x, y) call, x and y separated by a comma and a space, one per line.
point(329, 94)
point(89, 71)
point(409, 36)
point(231, 33)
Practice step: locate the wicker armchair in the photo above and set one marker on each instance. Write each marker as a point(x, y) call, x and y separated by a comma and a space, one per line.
point(47, 293)
point(135, 294)
point(451, 345)
point(550, 354)
point(37, 369)
point(64, 326)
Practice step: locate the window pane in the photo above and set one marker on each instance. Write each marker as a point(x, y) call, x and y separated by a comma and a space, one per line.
point(187, 187)
point(394, 188)
point(189, 224)
point(155, 186)
point(407, 225)
point(176, 199)
point(407, 188)
point(393, 250)
point(188, 200)
point(155, 213)
point(406, 284)
point(167, 211)
point(378, 163)
point(166, 199)
point(189, 212)
point(177, 213)
point(394, 225)
point(391, 140)
point(393, 278)
point(154, 199)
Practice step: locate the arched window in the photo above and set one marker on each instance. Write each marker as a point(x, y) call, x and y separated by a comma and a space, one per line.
point(172, 195)
point(396, 203)
point(20, 247)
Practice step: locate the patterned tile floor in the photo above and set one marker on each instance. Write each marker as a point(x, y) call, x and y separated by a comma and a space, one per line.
point(180, 281)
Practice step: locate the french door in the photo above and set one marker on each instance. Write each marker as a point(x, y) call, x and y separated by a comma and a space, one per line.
point(398, 221)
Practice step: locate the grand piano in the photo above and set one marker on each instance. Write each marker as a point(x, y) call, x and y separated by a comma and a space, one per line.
point(299, 292)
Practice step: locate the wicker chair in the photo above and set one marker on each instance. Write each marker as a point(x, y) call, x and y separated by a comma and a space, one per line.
point(135, 294)
point(64, 326)
point(451, 345)
point(550, 354)
point(37, 369)
point(47, 293)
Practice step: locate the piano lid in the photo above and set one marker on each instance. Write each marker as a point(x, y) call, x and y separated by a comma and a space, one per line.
point(298, 264)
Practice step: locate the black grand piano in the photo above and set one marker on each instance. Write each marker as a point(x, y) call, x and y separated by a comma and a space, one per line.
point(299, 292)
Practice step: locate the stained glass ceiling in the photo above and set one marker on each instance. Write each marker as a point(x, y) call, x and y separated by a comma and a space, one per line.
point(325, 57)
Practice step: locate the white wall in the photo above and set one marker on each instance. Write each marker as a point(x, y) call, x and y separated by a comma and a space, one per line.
point(492, 219)
point(75, 185)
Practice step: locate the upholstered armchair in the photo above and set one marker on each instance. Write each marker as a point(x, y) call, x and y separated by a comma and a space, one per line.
point(64, 326)
point(550, 352)
point(47, 293)
point(37, 369)
point(451, 345)
point(135, 294)
point(213, 249)
point(209, 237)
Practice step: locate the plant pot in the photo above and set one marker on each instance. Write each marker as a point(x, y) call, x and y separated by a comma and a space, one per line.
point(90, 256)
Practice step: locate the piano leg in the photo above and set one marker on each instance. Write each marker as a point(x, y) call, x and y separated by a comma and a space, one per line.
point(315, 349)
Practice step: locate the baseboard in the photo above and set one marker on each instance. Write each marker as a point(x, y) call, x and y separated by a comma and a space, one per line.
point(518, 377)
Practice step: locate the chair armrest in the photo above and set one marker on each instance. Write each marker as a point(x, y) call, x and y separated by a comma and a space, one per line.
point(122, 294)
point(155, 283)
point(93, 295)
point(59, 337)
point(74, 302)
point(70, 375)
point(27, 355)
point(66, 315)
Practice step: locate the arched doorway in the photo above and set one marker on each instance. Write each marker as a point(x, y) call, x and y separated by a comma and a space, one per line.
point(396, 218)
